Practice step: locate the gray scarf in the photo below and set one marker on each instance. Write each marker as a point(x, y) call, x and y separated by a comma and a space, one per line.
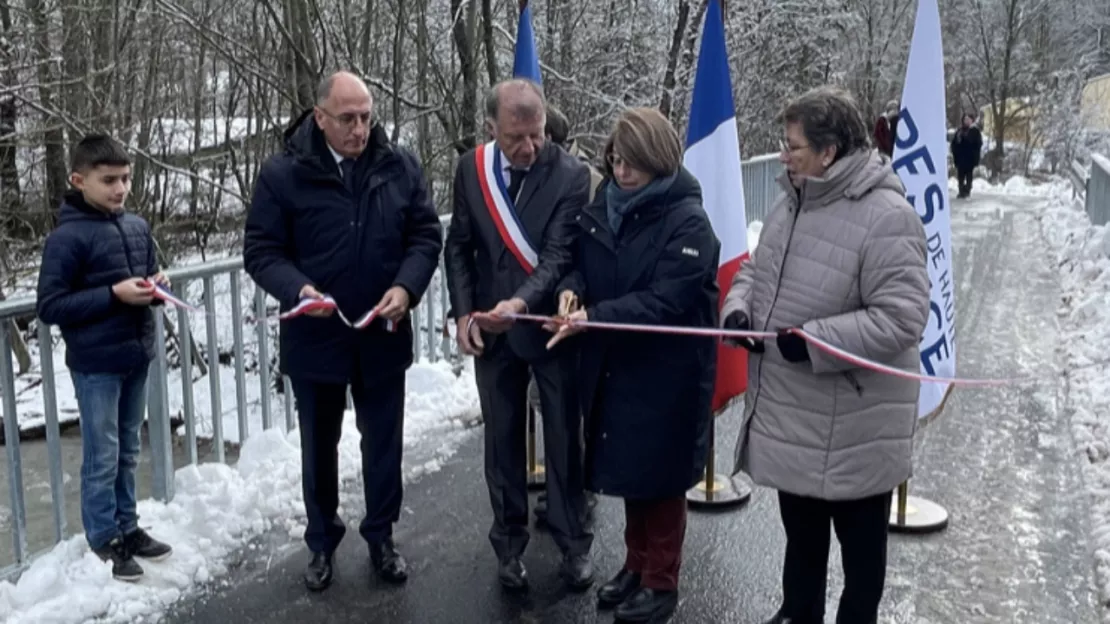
point(620, 202)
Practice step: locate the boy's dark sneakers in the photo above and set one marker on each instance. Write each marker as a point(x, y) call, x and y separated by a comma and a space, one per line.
point(124, 566)
point(140, 544)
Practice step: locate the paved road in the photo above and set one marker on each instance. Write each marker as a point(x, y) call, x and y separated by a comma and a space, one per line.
point(999, 460)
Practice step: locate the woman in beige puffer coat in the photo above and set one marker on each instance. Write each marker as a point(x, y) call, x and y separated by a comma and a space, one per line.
point(842, 256)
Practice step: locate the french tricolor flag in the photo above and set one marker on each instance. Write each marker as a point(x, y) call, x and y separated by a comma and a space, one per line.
point(713, 156)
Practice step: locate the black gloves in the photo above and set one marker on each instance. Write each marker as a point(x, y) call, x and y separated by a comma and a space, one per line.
point(739, 321)
point(792, 346)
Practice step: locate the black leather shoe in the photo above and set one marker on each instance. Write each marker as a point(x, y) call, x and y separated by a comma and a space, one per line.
point(512, 575)
point(577, 571)
point(388, 563)
point(318, 574)
point(616, 591)
point(647, 605)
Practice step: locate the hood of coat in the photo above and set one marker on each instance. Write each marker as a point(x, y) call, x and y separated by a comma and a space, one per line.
point(853, 176)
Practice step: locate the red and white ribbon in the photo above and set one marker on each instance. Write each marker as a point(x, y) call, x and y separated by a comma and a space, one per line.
point(163, 293)
point(822, 345)
point(309, 304)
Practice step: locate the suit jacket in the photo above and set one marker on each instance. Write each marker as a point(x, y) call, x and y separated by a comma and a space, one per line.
point(481, 271)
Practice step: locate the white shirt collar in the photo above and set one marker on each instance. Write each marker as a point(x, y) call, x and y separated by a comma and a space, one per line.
point(337, 156)
point(507, 165)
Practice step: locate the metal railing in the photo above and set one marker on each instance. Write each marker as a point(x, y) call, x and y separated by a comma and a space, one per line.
point(1096, 199)
point(761, 187)
point(248, 353)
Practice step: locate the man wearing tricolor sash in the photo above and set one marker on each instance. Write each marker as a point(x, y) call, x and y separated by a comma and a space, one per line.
point(515, 200)
point(341, 227)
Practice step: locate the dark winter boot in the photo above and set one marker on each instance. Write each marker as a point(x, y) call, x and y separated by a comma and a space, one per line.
point(124, 567)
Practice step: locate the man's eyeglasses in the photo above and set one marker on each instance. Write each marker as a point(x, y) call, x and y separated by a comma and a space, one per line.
point(348, 120)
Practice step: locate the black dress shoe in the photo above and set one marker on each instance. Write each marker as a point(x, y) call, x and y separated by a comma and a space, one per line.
point(577, 571)
point(388, 563)
point(318, 574)
point(616, 591)
point(647, 605)
point(511, 574)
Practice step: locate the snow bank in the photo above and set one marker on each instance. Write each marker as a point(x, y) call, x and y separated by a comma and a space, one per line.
point(218, 509)
point(755, 228)
point(1081, 252)
point(1015, 185)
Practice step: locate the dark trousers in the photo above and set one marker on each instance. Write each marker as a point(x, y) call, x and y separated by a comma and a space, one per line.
point(964, 177)
point(503, 390)
point(379, 413)
point(861, 529)
point(653, 534)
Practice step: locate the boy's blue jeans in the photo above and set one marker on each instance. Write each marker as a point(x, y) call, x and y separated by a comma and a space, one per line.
point(112, 406)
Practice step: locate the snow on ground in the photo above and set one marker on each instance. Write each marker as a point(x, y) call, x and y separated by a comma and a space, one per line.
point(219, 508)
point(1015, 185)
point(1081, 253)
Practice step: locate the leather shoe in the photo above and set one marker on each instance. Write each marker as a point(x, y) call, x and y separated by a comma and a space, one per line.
point(577, 571)
point(318, 574)
point(512, 575)
point(388, 563)
point(617, 590)
point(648, 605)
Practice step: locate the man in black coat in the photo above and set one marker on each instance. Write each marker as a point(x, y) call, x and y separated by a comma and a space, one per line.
point(343, 213)
point(967, 146)
point(515, 201)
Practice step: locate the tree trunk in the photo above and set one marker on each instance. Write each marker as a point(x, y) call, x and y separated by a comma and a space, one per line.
point(53, 136)
point(672, 57)
point(463, 35)
point(487, 36)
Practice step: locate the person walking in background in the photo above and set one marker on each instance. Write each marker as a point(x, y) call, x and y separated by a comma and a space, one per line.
point(645, 253)
point(886, 128)
point(842, 256)
point(515, 202)
point(967, 147)
point(96, 283)
point(345, 213)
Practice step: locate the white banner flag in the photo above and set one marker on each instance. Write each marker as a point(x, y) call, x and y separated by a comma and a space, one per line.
point(921, 161)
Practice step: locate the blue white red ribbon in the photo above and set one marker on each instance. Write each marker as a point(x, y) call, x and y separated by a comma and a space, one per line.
point(820, 344)
point(163, 293)
point(310, 304)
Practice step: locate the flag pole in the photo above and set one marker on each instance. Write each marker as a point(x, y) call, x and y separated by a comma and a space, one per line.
point(913, 514)
point(717, 491)
point(712, 155)
point(526, 65)
point(923, 108)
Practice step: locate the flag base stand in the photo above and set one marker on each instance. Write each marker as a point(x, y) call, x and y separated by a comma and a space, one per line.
point(536, 473)
point(717, 491)
point(915, 515)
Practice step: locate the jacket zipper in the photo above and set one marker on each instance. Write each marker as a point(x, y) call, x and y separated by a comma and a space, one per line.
point(774, 300)
point(130, 267)
point(126, 247)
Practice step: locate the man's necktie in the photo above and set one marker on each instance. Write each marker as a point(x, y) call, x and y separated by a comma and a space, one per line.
point(516, 178)
point(347, 166)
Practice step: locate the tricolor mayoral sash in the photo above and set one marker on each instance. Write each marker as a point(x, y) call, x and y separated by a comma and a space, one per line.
point(487, 159)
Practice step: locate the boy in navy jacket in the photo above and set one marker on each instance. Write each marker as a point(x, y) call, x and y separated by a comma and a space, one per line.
point(96, 285)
